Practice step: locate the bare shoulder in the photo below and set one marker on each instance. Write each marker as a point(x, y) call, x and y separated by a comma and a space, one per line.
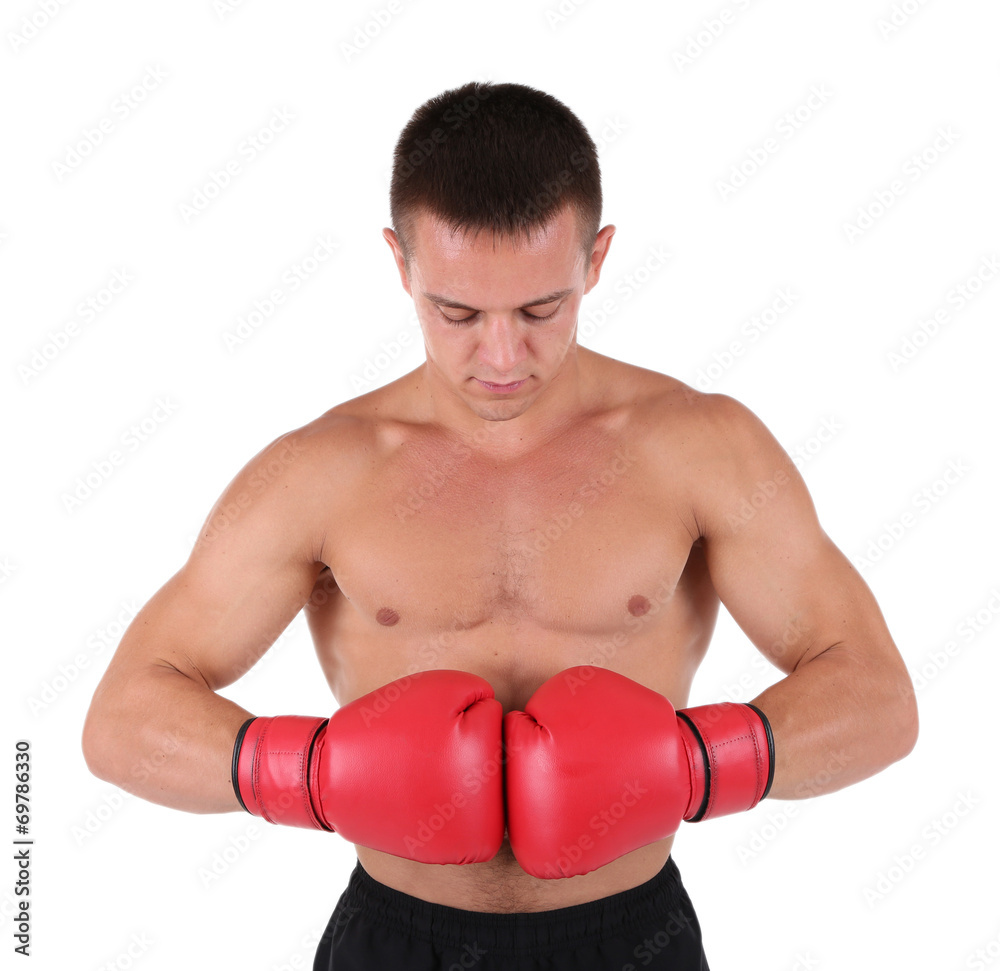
point(356, 430)
point(666, 405)
point(736, 472)
point(708, 451)
point(337, 451)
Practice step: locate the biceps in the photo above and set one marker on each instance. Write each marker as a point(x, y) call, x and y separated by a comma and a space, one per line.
point(780, 576)
point(786, 584)
point(214, 626)
point(251, 570)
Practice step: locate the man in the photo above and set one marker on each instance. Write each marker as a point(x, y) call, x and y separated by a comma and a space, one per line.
point(519, 526)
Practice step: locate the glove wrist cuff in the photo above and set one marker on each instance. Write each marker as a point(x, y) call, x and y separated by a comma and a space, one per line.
point(730, 751)
point(271, 769)
point(235, 771)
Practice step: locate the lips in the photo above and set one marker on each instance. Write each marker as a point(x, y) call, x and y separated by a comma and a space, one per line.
point(502, 388)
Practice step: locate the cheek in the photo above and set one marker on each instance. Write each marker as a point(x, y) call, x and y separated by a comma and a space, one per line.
point(552, 344)
point(448, 345)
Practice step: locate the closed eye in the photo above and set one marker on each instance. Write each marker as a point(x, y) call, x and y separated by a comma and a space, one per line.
point(468, 320)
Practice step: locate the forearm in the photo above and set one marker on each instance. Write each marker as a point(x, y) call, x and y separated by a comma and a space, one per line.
point(837, 719)
point(165, 737)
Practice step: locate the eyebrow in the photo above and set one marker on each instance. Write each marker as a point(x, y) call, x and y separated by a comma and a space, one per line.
point(454, 304)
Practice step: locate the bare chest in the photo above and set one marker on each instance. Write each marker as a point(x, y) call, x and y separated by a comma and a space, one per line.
point(568, 538)
point(575, 556)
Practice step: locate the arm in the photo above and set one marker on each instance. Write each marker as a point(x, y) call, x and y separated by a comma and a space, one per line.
point(584, 789)
point(397, 770)
point(846, 708)
point(155, 726)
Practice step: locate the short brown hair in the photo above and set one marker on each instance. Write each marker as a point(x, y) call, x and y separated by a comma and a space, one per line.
point(503, 158)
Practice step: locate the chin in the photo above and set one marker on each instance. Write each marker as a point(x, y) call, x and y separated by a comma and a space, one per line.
point(491, 412)
point(498, 409)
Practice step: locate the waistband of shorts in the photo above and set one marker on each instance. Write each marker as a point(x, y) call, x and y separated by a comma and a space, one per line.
point(661, 897)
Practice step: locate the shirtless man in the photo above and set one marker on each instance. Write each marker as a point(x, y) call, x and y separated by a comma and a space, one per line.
point(515, 508)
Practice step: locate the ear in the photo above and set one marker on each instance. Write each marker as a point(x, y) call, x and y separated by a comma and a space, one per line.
point(397, 252)
point(601, 245)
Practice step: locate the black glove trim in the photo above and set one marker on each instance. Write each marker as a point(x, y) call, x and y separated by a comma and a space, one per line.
point(770, 748)
point(236, 761)
point(696, 818)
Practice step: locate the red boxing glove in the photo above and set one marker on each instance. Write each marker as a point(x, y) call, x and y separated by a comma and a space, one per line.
point(599, 765)
point(411, 769)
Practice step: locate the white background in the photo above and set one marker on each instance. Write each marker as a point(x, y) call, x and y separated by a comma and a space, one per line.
point(790, 885)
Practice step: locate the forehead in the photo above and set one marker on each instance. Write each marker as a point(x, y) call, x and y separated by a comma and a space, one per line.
point(479, 266)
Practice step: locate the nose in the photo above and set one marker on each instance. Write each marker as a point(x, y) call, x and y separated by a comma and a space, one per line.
point(502, 346)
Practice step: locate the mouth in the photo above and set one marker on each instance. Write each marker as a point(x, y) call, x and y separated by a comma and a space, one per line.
point(502, 388)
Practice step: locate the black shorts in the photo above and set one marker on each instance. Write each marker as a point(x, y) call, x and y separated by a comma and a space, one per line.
point(377, 928)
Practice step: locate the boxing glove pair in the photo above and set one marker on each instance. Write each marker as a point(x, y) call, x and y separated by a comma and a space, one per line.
point(596, 766)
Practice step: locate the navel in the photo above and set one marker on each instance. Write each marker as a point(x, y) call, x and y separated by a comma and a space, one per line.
point(387, 617)
point(638, 605)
